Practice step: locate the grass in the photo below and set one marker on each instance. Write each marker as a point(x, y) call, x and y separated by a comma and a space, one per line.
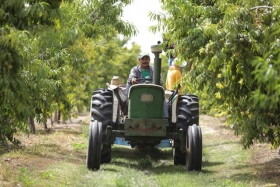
point(58, 159)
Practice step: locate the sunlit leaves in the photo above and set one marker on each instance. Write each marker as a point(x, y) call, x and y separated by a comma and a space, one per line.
point(234, 49)
point(101, 17)
point(45, 61)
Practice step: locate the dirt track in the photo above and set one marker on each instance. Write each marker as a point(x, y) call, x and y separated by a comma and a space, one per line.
point(266, 162)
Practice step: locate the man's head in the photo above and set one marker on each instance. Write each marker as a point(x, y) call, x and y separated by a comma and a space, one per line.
point(177, 62)
point(144, 59)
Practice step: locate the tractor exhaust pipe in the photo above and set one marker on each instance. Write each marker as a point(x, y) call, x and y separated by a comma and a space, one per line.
point(157, 64)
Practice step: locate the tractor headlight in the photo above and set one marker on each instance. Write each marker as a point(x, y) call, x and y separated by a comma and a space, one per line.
point(146, 97)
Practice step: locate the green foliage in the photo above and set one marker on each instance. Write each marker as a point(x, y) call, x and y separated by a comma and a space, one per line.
point(101, 60)
point(53, 55)
point(17, 18)
point(102, 17)
point(232, 51)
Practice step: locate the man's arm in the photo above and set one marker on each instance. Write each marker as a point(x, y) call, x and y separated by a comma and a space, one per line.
point(132, 76)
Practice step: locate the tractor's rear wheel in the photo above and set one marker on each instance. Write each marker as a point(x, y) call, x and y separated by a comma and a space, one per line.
point(188, 114)
point(102, 111)
point(94, 145)
point(188, 111)
point(194, 147)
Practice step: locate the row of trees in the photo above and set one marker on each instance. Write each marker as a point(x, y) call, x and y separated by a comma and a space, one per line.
point(232, 47)
point(54, 53)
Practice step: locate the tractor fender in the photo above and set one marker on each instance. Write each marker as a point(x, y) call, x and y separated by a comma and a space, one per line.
point(115, 107)
point(173, 104)
point(174, 109)
point(119, 99)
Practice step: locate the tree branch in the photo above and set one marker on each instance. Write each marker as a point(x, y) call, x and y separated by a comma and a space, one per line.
point(259, 7)
point(96, 17)
point(94, 12)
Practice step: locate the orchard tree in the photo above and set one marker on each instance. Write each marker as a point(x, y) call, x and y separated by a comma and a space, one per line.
point(97, 50)
point(16, 20)
point(36, 37)
point(232, 50)
point(103, 58)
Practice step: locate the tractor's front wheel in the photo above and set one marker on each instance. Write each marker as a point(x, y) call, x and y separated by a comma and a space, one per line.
point(188, 114)
point(194, 148)
point(94, 145)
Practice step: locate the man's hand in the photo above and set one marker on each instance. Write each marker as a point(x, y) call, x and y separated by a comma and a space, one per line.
point(134, 81)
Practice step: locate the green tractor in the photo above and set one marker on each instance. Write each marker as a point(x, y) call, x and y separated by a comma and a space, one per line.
point(139, 118)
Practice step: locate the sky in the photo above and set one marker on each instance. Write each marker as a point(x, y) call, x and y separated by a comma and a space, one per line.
point(137, 13)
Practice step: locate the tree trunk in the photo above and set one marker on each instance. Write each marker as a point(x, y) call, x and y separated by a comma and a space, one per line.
point(32, 125)
point(45, 126)
point(58, 117)
point(55, 117)
point(51, 120)
point(4, 142)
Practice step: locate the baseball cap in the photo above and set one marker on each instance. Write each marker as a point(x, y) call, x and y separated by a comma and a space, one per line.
point(144, 54)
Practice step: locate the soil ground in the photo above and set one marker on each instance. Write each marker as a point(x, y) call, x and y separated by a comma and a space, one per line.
point(265, 161)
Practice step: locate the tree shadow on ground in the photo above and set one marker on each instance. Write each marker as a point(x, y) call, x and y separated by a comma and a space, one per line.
point(269, 171)
point(211, 164)
point(56, 152)
point(64, 130)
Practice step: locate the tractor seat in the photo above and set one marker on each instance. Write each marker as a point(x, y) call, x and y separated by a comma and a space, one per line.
point(122, 93)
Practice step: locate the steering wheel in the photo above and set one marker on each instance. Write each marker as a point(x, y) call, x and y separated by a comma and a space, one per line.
point(143, 80)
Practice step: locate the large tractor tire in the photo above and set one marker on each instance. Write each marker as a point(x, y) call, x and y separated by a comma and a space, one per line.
point(188, 111)
point(94, 145)
point(194, 147)
point(188, 114)
point(102, 111)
